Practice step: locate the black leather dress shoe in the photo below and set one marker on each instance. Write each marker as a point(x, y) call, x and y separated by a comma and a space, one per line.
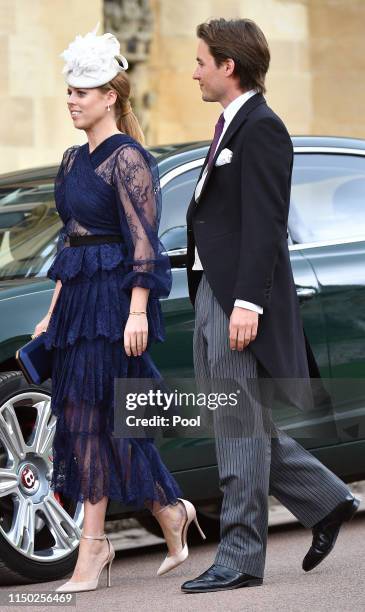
point(220, 578)
point(326, 531)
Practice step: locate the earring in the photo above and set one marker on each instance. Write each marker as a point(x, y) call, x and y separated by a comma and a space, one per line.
point(108, 107)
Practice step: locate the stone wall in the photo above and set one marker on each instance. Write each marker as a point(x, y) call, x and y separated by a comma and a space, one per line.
point(315, 82)
point(35, 125)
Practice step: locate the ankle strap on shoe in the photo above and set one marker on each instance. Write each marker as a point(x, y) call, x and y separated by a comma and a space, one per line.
point(88, 537)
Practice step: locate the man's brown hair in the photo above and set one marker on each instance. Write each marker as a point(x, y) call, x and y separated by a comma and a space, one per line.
point(244, 42)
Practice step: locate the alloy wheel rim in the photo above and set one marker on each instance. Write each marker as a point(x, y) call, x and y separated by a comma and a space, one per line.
point(30, 512)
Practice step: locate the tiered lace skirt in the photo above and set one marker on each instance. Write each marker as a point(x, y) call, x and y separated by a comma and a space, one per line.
point(86, 333)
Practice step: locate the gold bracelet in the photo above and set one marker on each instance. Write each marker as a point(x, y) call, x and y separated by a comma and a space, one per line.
point(137, 312)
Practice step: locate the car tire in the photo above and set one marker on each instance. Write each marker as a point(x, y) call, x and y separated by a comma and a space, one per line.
point(39, 531)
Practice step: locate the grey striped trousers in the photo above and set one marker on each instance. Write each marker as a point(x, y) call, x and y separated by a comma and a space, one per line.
point(251, 467)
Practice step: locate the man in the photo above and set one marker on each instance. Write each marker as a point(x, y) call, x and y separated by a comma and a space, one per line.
point(248, 323)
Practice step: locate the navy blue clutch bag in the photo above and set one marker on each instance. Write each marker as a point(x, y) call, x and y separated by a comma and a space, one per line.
point(35, 360)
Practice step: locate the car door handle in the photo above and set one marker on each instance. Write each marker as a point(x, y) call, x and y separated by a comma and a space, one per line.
point(176, 252)
point(305, 293)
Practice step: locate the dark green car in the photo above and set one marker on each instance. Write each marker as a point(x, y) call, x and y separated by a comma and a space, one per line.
point(39, 534)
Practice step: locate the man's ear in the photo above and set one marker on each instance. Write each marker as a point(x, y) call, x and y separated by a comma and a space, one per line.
point(229, 66)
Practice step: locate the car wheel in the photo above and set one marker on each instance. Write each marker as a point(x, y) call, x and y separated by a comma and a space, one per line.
point(39, 530)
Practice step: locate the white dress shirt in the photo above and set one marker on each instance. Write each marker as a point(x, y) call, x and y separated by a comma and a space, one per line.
point(229, 112)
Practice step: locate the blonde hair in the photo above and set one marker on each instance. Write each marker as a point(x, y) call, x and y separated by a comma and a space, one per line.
point(126, 119)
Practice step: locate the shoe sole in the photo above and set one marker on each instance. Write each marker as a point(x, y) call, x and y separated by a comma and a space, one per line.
point(353, 509)
point(252, 583)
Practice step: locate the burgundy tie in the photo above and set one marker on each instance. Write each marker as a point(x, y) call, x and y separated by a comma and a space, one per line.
point(217, 134)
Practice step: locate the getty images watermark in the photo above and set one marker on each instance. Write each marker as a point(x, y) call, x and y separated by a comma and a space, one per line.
point(185, 407)
point(175, 407)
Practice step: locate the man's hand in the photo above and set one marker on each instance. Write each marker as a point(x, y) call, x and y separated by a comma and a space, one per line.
point(243, 325)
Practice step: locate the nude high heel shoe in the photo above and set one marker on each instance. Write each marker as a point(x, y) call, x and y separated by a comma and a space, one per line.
point(91, 585)
point(172, 561)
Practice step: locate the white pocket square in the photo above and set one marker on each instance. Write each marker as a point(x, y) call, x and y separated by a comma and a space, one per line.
point(224, 157)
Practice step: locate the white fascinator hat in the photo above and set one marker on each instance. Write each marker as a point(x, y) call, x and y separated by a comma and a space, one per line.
point(91, 60)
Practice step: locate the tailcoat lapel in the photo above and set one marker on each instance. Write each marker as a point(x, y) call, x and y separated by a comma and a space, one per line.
point(236, 123)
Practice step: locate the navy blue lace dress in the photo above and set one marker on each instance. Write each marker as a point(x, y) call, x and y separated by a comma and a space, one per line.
point(113, 190)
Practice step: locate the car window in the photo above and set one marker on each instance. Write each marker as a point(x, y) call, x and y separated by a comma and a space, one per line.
point(176, 195)
point(327, 197)
point(29, 224)
point(29, 227)
point(327, 202)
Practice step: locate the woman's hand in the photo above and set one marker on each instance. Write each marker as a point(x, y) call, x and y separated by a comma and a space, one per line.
point(41, 326)
point(136, 334)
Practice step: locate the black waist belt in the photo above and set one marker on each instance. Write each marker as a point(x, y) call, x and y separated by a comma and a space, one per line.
point(94, 239)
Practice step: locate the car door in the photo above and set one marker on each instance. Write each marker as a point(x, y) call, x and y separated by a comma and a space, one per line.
point(174, 357)
point(29, 226)
point(328, 219)
point(317, 428)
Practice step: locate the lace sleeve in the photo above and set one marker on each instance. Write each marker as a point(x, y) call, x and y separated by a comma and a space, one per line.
point(136, 180)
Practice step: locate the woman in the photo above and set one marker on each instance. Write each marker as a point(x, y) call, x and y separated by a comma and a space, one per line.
point(110, 271)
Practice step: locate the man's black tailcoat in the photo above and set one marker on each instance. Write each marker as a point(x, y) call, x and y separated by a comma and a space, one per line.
point(239, 225)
